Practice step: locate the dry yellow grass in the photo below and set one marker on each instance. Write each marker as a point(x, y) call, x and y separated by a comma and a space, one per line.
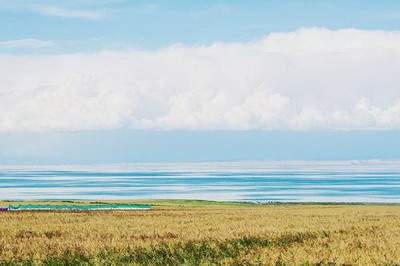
point(179, 233)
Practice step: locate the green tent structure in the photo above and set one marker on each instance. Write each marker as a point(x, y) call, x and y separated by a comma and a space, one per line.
point(87, 207)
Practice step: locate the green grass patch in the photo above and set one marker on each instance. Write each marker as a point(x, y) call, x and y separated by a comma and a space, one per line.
point(204, 252)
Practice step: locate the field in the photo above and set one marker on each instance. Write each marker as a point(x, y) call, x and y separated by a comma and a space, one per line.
point(205, 233)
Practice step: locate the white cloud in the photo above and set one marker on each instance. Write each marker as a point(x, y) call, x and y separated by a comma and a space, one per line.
point(68, 9)
point(69, 13)
point(309, 79)
point(25, 43)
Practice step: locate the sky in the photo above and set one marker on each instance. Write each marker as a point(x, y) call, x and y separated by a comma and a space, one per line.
point(112, 81)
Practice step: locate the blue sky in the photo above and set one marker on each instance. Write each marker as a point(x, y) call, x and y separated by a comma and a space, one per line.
point(110, 81)
point(124, 146)
point(88, 25)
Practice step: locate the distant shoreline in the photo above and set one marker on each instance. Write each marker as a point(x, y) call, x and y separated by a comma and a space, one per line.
point(190, 202)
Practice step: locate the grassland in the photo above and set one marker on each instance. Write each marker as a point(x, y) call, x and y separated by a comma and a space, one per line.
point(205, 233)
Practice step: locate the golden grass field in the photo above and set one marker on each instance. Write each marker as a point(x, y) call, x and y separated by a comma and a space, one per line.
point(205, 233)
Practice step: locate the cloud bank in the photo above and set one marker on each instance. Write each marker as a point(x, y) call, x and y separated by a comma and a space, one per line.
point(310, 79)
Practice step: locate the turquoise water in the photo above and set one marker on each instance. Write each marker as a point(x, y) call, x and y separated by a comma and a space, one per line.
point(349, 181)
point(91, 207)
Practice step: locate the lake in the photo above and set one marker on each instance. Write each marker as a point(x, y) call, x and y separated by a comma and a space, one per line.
point(310, 181)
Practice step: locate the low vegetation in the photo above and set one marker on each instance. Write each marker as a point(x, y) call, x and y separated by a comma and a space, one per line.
point(205, 233)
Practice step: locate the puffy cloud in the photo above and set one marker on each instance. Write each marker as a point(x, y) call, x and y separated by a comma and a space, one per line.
point(309, 79)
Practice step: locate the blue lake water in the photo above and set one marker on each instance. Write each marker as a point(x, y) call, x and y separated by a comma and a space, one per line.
point(345, 181)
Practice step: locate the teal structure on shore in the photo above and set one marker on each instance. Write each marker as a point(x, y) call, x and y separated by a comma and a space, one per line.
point(87, 207)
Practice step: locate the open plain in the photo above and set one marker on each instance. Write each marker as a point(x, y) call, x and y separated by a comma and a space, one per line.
point(178, 232)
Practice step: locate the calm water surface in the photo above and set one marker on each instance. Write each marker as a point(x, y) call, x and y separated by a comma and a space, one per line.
point(349, 181)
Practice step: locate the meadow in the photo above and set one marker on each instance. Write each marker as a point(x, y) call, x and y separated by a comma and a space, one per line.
point(205, 233)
